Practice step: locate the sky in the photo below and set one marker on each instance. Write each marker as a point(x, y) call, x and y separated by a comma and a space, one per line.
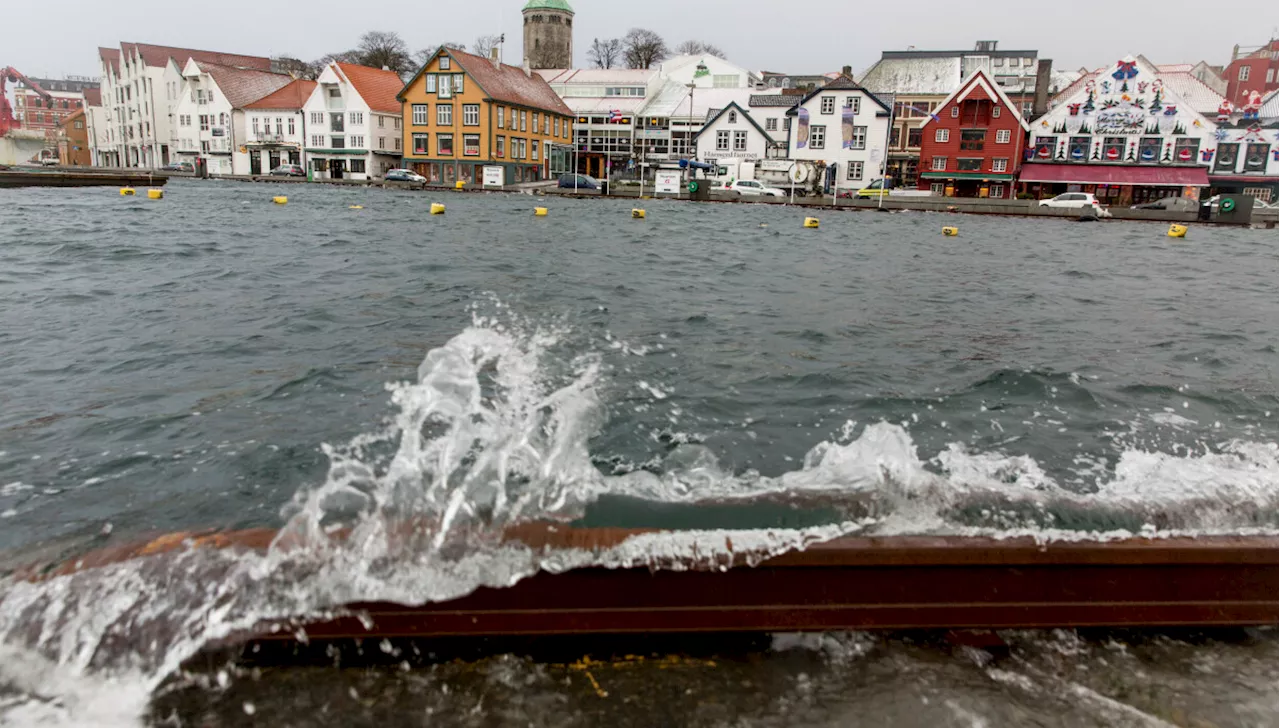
point(797, 37)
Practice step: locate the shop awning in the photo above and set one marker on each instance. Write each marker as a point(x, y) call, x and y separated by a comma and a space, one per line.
point(1107, 174)
point(981, 176)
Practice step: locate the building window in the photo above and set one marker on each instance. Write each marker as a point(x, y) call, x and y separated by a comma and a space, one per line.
point(444, 145)
point(724, 80)
point(786, 124)
point(828, 104)
point(973, 139)
point(859, 139)
point(733, 117)
point(1027, 108)
point(1113, 149)
point(942, 135)
point(1255, 157)
point(420, 114)
point(535, 122)
point(895, 136)
point(955, 111)
point(502, 147)
point(997, 191)
point(357, 118)
point(524, 148)
point(444, 89)
point(338, 142)
point(204, 122)
point(1078, 148)
point(817, 137)
point(853, 102)
point(1148, 149)
point(995, 111)
point(854, 171)
point(770, 124)
point(293, 126)
point(395, 122)
point(501, 114)
point(939, 164)
point(357, 142)
point(1226, 161)
point(1003, 136)
point(382, 122)
point(279, 126)
point(431, 83)
point(937, 188)
point(999, 165)
point(317, 141)
point(357, 166)
point(556, 126)
point(317, 117)
point(471, 114)
point(1244, 73)
point(382, 142)
point(546, 124)
point(255, 125)
point(458, 82)
point(397, 147)
point(444, 114)
point(470, 145)
point(1262, 193)
point(739, 141)
point(524, 121)
point(722, 141)
point(1185, 150)
point(445, 62)
point(969, 164)
point(535, 149)
point(1271, 75)
point(915, 137)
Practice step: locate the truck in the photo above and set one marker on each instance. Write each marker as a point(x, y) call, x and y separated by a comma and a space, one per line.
point(886, 188)
point(805, 176)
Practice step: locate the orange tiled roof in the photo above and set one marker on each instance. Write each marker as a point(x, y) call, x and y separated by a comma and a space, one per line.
point(378, 88)
point(155, 55)
point(292, 96)
point(510, 84)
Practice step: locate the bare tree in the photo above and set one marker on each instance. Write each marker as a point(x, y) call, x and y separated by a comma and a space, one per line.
point(698, 48)
point(485, 44)
point(295, 67)
point(385, 49)
point(316, 67)
point(425, 54)
point(643, 48)
point(605, 53)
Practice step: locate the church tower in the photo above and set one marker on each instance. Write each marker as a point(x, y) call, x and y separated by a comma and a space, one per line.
point(548, 33)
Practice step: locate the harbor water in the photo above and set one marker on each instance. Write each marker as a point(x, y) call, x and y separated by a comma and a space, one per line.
point(212, 360)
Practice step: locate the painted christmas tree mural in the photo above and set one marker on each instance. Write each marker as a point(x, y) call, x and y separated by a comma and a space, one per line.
point(1178, 128)
point(1168, 152)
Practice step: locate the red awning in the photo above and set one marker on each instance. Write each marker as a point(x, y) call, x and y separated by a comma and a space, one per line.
point(1107, 174)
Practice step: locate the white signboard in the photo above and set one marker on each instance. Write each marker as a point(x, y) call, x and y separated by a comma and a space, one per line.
point(493, 176)
point(667, 181)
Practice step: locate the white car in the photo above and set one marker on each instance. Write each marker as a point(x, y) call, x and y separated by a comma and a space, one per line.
point(1077, 200)
point(752, 187)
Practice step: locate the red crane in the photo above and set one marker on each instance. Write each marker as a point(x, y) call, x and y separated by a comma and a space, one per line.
point(9, 73)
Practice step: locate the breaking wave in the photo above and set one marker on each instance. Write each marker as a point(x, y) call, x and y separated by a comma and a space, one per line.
point(495, 433)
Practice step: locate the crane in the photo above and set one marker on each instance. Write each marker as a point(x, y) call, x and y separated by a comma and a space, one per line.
point(9, 73)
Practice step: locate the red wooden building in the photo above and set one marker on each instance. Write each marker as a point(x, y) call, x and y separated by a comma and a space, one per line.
point(972, 144)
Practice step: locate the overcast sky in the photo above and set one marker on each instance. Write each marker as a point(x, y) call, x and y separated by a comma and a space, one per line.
point(798, 36)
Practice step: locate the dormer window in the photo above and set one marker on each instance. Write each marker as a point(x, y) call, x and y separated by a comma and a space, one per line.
point(444, 63)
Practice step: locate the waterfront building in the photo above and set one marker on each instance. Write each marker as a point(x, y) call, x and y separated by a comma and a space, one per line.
point(462, 112)
point(1246, 156)
point(733, 133)
point(141, 87)
point(95, 115)
point(275, 130)
point(548, 34)
point(972, 144)
point(919, 80)
point(207, 130)
point(1124, 135)
point(353, 120)
point(1252, 70)
point(35, 113)
point(73, 140)
point(608, 105)
point(1184, 80)
point(845, 127)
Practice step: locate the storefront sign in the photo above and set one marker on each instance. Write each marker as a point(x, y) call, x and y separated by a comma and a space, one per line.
point(493, 176)
point(667, 181)
point(1127, 120)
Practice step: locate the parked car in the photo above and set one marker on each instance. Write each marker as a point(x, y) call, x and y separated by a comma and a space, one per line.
point(750, 187)
point(48, 161)
point(579, 181)
point(289, 170)
point(404, 175)
point(1178, 204)
point(1212, 203)
point(1077, 200)
point(876, 189)
point(179, 167)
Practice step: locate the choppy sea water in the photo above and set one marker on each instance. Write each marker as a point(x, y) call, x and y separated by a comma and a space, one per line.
point(213, 360)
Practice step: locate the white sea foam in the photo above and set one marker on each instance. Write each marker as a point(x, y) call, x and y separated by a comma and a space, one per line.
point(494, 433)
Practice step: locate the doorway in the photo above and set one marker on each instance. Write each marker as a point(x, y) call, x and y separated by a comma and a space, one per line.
point(255, 163)
point(274, 159)
point(336, 168)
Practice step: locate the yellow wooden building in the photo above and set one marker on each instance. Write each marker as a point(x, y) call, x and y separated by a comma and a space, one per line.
point(463, 112)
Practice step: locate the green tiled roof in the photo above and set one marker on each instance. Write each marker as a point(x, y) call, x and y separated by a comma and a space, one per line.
point(548, 5)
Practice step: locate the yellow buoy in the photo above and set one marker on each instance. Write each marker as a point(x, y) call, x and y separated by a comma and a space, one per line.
point(458, 185)
point(1177, 231)
point(637, 213)
point(126, 191)
point(811, 222)
point(539, 212)
point(950, 231)
point(437, 208)
point(280, 200)
point(357, 207)
point(155, 194)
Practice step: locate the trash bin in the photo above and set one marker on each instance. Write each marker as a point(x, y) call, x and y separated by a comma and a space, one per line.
point(604, 186)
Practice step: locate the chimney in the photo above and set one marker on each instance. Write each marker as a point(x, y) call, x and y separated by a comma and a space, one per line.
point(847, 72)
point(493, 57)
point(528, 72)
point(1041, 104)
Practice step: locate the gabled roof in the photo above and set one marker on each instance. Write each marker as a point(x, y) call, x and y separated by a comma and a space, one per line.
point(156, 56)
point(291, 97)
point(978, 81)
point(842, 83)
point(243, 86)
point(93, 97)
point(377, 87)
point(733, 106)
point(916, 74)
point(111, 56)
point(1193, 92)
point(504, 83)
point(77, 114)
